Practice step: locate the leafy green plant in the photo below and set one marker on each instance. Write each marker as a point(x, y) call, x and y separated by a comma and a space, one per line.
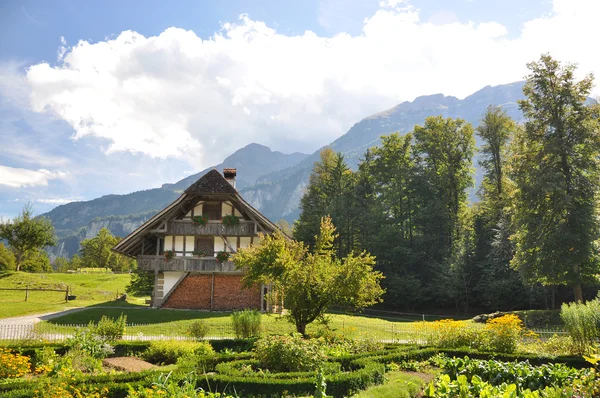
point(169, 255)
point(198, 329)
point(200, 220)
point(290, 353)
point(582, 320)
point(168, 351)
point(246, 323)
point(109, 329)
point(89, 342)
point(230, 220)
point(222, 256)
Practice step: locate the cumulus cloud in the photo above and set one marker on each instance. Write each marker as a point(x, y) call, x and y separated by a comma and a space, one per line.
point(177, 95)
point(18, 178)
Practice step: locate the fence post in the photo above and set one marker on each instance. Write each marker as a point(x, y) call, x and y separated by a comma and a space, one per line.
point(67, 294)
point(26, 292)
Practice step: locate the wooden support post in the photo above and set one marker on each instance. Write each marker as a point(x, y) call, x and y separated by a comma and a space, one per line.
point(67, 294)
point(26, 292)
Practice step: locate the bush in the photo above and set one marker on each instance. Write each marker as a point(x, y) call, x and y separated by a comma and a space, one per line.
point(13, 364)
point(290, 353)
point(80, 361)
point(198, 329)
point(583, 323)
point(448, 333)
point(89, 342)
point(167, 351)
point(109, 329)
point(246, 324)
point(504, 333)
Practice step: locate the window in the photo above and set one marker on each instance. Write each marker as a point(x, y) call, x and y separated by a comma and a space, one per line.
point(212, 210)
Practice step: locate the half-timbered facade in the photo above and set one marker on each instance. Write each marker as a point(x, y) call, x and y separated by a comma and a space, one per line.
point(186, 246)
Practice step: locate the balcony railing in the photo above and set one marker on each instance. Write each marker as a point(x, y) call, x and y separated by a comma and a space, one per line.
point(212, 227)
point(186, 264)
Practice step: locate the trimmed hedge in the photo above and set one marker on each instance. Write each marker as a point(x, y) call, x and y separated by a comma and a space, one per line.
point(232, 369)
point(338, 385)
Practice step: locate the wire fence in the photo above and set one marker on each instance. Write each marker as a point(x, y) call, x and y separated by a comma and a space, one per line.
point(414, 333)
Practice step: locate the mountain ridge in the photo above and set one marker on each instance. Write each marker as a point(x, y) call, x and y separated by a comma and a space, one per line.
point(274, 182)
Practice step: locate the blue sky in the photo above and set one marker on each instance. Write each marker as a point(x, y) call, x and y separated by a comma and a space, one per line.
point(100, 97)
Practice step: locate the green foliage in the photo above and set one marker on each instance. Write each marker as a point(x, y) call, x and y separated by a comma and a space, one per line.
point(200, 220)
point(97, 252)
point(329, 193)
point(61, 264)
point(311, 282)
point(582, 320)
point(167, 351)
point(499, 379)
point(36, 260)
point(290, 353)
point(223, 256)
point(25, 233)
point(556, 172)
point(7, 259)
point(142, 283)
point(109, 329)
point(85, 340)
point(246, 324)
point(199, 329)
point(230, 220)
point(165, 386)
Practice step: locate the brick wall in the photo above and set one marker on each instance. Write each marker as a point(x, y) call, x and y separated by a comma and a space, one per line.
point(229, 294)
point(194, 292)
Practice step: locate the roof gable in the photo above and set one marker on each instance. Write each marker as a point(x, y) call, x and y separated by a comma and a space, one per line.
point(212, 182)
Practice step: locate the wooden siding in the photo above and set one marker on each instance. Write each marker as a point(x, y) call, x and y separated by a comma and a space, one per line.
point(185, 227)
point(184, 264)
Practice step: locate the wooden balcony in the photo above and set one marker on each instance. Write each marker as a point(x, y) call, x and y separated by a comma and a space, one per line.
point(213, 227)
point(184, 264)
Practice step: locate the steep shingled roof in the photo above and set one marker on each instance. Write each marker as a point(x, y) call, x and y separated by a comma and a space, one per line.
point(211, 182)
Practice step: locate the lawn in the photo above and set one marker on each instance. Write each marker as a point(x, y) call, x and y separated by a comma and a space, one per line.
point(397, 385)
point(156, 322)
point(91, 289)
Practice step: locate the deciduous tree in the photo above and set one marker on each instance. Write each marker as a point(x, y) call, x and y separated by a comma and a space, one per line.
point(25, 233)
point(311, 282)
point(557, 175)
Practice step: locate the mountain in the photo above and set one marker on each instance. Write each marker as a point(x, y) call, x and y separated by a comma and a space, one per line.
point(272, 182)
point(278, 194)
point(121, 214)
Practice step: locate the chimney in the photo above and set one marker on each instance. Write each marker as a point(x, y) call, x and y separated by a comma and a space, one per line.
point(229, 175)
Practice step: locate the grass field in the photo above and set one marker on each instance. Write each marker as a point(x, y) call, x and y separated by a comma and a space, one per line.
point(156, 322)
point(90, 289)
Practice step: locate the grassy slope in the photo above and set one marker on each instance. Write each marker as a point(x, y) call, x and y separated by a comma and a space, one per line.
point(89, 289)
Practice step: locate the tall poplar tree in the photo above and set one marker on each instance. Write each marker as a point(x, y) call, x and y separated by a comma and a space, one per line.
point(557, 175)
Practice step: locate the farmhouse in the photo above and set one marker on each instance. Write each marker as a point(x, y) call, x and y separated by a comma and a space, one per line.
point(188, 243)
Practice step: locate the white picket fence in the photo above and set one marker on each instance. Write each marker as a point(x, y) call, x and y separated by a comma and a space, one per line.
point(44, 331)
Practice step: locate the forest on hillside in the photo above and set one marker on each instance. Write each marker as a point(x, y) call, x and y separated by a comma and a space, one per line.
point(530, 241)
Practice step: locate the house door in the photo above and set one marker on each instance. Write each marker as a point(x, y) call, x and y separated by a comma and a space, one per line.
point(206, 245)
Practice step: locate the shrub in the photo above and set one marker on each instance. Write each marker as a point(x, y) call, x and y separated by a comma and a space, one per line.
point(448, 333)
point(109, 329)
point(167, 351)
point(504, 333)
point(45, 360)
point(290, 353)
point(80, 361)
point(198, 329)
point(583, 323)
point(165, 386)
point(246, 324)
point(89, 342)
point(13, 364)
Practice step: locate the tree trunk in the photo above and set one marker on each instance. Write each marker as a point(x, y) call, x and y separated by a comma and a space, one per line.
point(578, 292)
point(19, 259)
point(301, 328)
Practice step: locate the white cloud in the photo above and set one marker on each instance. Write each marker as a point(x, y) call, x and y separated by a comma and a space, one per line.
point(18, 178)
point(57, 201)
point(178, 95)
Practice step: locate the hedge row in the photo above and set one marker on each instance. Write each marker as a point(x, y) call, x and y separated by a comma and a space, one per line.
point(338, 385)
